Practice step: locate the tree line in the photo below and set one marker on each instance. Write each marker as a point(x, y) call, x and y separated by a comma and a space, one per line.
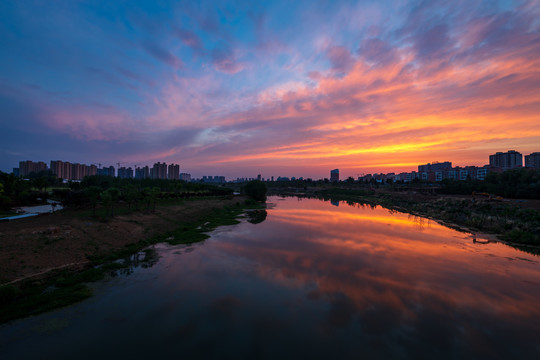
point(521, 183)
point(98, 189)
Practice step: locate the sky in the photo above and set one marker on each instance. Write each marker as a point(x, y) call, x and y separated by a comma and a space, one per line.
point(278, 88)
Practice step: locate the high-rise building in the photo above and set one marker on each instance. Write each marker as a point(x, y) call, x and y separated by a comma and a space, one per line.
point(142, 173)
point(508, 160)
point(125, 173)
point(533, 160)
point(106, 171)
point(27, 167)
point(173, 172)
point(92, 170)
point(185, 177)
point(67, 170)
point(334, 175)
point(77, 171)
point(57, 168)
point(159, 171)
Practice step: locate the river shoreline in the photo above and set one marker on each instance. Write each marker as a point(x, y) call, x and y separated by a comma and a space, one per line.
point(45, 261)
point(507, 222)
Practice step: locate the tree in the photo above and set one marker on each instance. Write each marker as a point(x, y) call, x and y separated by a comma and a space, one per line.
point(131, 194)
point(154, 192)
point(256, 190)
point(40, 183)
point(93, 193)
point(109, 197)
point(115, 195)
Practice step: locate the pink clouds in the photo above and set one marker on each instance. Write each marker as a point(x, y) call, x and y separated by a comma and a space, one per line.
point(357, 85)
point(86, 124)
point(340, 58)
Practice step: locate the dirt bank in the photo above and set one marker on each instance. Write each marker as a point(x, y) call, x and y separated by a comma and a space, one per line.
point(67, 239)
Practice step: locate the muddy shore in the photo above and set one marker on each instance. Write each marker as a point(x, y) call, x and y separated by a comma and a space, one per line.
point(31, 248)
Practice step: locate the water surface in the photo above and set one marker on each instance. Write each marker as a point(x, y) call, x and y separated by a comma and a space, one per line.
point(314, 280)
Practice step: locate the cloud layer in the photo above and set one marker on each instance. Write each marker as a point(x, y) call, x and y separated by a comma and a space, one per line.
point(277, 89)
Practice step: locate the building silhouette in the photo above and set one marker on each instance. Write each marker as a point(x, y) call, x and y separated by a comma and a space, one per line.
point(68, 171)
point(508, 160)
point(334, 175)
point(533, 160)
point(159, 171)
point(185, 177)
point(142, 173)
point(108, 171)
point(125, 173)
point(27, 167)
point(435, 166)
point(173, 172)
point(213, 179)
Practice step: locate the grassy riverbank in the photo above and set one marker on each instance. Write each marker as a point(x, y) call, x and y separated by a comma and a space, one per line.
point(46, 262)
point(510, 221)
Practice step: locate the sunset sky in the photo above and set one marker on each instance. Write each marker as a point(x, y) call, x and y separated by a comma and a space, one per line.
point(282, 88)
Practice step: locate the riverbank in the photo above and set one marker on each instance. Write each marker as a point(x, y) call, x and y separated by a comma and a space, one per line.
point(515, 222)
point(45, 260)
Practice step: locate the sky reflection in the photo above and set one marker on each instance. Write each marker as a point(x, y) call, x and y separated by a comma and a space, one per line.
point(311, 281)
point(394, 275)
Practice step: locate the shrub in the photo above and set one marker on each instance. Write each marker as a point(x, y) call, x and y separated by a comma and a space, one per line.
point(256, 190)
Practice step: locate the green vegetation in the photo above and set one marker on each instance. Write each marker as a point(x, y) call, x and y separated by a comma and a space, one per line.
point(61, 289)
point(256, 190)
point(94, 190)
point(67, 287)
point(510, 222)
point(517, 183)
point(18, 192)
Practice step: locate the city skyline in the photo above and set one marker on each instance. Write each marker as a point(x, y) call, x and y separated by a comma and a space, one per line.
point(276, 88)
point(435, 171)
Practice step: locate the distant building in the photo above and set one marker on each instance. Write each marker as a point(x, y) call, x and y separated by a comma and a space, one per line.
point(173, 172)
point(108, 171)
point(92, 170)
point(142, 173)
point(27, 167)
point(66, 170)
point(533, 160)
point(57, 168)
point(259, 177)
point(508, 160)
point(334, 175)
point(435, 166)
point(125, 173)
point(185, 177)
point(16, 171)
point(213, 179)
point(467, 173)
point(77, 172)
point(159, 171)
point(69, 171)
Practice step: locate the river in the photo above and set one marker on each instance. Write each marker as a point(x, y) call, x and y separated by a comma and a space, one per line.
point(314, 280)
